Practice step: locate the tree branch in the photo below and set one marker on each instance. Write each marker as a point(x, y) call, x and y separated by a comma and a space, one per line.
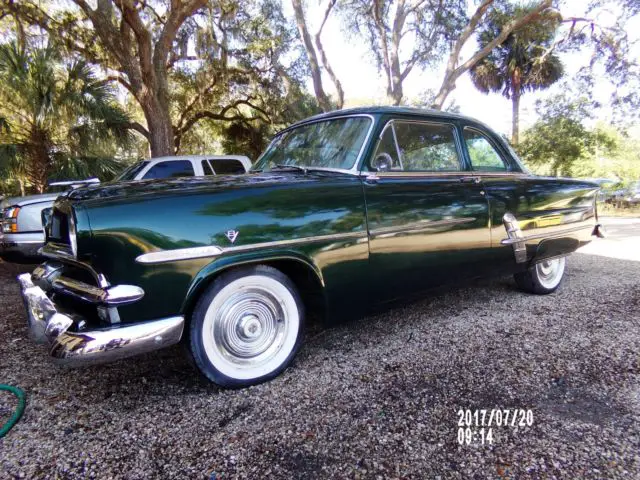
point(222, 115)
point(138, 128)
point(325, 60)
point(453, 72)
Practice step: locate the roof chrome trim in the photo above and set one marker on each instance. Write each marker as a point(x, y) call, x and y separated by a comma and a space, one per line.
point(164, 256)
point(452, 173)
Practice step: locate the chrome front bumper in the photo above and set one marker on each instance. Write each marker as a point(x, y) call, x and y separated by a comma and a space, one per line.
point(75, 348)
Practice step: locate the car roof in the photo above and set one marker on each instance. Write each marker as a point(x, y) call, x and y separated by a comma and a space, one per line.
point(381, 110)
point(244, 160)
point(200, 157)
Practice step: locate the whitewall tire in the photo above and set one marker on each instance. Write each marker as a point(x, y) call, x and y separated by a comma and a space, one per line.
point(247, 326)
point(543, 277)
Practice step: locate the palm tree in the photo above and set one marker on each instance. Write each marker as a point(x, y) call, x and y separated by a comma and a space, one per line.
point(524, 62)
point(57, 120)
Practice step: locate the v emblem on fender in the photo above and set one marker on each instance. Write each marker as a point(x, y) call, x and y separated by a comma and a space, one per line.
point(232, 235)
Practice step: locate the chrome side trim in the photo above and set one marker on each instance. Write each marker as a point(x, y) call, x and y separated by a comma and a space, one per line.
point(47, 325)
point(537, 236)
point(165, 256)
point(419, 226)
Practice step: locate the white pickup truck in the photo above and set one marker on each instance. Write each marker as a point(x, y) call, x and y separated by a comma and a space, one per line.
point(21, 233)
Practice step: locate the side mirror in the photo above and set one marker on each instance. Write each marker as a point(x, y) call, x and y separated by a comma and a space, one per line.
point(382, 162)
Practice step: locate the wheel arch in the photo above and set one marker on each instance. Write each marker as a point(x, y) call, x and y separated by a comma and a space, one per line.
point(305, 275)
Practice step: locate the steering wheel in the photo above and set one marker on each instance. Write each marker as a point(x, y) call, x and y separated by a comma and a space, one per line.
point(383, 162)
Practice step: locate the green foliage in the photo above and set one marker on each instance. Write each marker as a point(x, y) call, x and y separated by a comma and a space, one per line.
point(57, 119)
point(248, 86)
point(523, 62)
point(560, 144)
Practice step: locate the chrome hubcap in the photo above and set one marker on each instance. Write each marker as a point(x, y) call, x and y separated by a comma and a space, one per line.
point(249, 327)
point(550, 272)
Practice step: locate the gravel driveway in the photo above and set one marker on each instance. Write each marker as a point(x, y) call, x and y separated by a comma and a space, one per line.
point(374, 398)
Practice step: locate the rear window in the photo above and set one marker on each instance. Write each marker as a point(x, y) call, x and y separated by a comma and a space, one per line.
point(170, 169)
point(227, 166)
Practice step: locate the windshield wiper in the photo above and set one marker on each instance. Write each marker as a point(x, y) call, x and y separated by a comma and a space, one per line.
point(295, 167)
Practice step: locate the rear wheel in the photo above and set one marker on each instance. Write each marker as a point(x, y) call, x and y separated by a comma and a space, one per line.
point(542, 278)
point(247, 327)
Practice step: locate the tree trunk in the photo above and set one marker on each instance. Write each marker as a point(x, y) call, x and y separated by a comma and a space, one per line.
point(161, 141)
point(316, 74)
point(515, 118)
point(39, 160)
point(396, 92)
point(516, 90)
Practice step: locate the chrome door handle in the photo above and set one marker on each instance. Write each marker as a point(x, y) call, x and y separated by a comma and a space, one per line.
point(470, 179)
point(371, 179)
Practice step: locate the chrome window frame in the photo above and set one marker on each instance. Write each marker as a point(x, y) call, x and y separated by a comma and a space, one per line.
point(355, 169)
point(496, 148)
point(400, 173)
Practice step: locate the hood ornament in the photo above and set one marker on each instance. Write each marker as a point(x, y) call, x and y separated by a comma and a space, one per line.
point(232, 235)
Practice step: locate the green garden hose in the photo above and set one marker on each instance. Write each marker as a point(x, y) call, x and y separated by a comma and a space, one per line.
point(19, 410)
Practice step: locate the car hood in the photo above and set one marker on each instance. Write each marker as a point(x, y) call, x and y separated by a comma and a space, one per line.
point(134, 190)
point(29, 199)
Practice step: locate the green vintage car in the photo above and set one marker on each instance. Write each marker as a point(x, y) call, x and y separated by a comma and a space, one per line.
point(342, 212)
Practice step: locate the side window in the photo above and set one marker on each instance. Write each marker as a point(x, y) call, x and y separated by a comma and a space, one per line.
point(169, 169)
point(484, 157)
point(427, 147)
point(206, 167)
point(227, 166)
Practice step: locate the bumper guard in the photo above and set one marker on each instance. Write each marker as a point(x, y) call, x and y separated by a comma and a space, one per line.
point(51, 326)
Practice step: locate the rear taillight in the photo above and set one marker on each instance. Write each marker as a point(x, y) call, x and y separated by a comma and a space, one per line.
point(10, 220)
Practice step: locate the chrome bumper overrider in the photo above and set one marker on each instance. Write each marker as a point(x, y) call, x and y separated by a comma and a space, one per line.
point(49, 325)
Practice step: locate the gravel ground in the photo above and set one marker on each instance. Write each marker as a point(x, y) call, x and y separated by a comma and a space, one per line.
point(374, 398)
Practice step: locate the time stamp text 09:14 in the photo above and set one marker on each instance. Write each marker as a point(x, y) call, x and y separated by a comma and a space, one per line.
point(477, 426)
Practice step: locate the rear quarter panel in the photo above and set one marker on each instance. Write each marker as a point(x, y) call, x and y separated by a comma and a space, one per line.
point(544, 207)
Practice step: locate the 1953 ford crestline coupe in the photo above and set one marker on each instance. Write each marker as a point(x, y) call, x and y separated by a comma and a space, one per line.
point(342, 211)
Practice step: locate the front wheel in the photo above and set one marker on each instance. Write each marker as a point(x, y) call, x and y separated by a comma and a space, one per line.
point(247, 327)
point(542, 278)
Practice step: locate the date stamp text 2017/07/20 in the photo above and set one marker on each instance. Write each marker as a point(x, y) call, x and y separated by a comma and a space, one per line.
point(477, 426)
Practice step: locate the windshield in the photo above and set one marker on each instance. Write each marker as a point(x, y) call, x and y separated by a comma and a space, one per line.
point(332, 143)
point(131, 172)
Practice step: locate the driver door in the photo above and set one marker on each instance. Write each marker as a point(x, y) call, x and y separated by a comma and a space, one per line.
point(427, 214)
